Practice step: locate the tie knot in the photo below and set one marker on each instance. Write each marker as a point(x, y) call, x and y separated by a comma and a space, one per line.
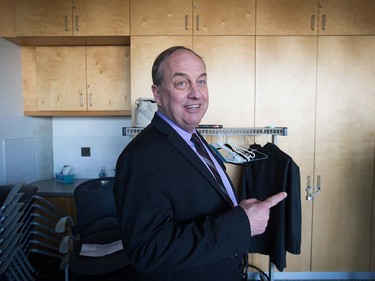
point(195, 138)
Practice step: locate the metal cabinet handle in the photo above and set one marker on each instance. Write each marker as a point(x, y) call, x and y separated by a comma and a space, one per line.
point(197, 22)
point(66, 23)
point(324, 22)
point(313, 22)
point(90, 100)
point(81, 99)
point(77, 23)
point(186, 22)
point(312, 191)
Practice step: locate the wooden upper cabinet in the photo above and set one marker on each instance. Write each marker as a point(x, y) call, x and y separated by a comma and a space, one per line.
point(101, 17)
point(223, 17)
point(192, 17)
point(72, 18)
point(287, 17)
point(166, 17)
point(7, 18)
point(310, 17)
point(61, 78)
point(44, 18)
point(108, 78)
point(82, 79)
point(347, 17)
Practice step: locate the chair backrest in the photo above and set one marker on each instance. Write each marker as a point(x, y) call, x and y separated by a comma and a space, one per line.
point(96, 211)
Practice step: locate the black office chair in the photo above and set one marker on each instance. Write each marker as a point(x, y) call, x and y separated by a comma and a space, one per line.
point(96, 227)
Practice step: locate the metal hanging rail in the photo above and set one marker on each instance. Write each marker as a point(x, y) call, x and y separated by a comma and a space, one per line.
point(275, 131)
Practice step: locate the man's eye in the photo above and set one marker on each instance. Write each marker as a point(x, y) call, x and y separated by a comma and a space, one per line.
point(202, 82)
point(181, 84)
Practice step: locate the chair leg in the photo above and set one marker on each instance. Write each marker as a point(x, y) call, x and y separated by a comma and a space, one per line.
point(66, 272)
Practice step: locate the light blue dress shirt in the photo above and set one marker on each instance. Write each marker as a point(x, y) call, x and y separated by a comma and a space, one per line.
point(187, 136)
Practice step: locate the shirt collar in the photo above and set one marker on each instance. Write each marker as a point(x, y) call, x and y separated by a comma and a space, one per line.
point(184, 134)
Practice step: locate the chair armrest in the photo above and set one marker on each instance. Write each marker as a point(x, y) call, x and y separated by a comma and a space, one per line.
point(66, 244)
point(64, 225)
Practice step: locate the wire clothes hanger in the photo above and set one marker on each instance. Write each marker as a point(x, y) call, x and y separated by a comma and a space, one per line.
point(233, 153)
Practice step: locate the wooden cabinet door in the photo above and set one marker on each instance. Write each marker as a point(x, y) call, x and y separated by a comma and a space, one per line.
point(347, 17)
point(108, 78)
point(44, 18)
point(285, 96)
point(222, 17)
point(166, 17)
point(345, 141)
point(101, 17)
point(7, 18)
point(230, 76)
point(287, 17)
point(61, 78)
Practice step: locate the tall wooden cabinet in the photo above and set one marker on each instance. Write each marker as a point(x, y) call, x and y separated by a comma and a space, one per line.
point(285, 96)
point(344, 153)
point(321, 87)
point(72, 18)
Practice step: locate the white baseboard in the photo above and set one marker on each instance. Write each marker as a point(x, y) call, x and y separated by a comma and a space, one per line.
point(317, 276)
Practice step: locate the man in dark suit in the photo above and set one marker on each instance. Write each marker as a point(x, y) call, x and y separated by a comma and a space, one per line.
point(179, 217)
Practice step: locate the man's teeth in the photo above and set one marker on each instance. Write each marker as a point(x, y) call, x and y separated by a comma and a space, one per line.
point(192, 106)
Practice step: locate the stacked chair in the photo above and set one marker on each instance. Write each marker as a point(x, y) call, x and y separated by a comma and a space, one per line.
point(96, 227)
point(26, 226)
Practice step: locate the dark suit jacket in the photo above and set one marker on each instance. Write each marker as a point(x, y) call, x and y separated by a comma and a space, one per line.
point(264, 178)
point(176, 223)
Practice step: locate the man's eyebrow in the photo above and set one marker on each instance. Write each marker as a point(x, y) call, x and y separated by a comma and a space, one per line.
point(185, 75)
point(179, 74)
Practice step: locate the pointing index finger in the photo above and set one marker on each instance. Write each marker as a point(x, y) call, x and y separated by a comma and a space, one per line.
point(275, 199)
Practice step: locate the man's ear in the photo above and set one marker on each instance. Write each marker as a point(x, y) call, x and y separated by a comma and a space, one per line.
point(156, 92)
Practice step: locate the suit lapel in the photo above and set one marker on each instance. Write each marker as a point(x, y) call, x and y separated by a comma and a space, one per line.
point(175, 139)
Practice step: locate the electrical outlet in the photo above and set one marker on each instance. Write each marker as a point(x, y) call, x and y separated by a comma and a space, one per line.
point(85, 151)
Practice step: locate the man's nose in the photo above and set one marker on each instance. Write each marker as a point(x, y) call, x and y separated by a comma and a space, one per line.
point(194, 91)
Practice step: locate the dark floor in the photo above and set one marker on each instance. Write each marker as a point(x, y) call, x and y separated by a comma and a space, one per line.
point(47, 268)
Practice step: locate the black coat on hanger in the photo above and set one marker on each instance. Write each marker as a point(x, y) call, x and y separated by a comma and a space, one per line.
point(265, 178)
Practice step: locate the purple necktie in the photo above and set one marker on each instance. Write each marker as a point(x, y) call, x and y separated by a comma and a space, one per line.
point(207, 159)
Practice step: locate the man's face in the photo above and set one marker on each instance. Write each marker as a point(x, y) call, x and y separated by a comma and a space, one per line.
point(183, 94)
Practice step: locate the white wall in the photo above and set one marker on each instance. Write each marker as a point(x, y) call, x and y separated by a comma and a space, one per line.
point(19, 135)
point(102, 134)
